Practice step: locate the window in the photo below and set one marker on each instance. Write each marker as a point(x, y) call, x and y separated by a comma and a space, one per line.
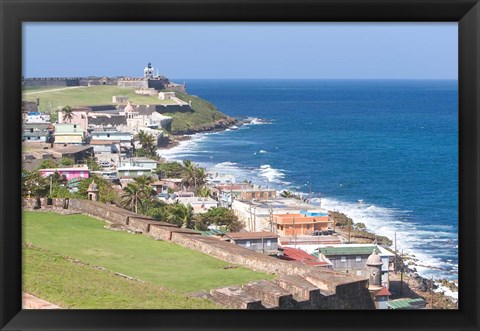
point(247, 244)
point(74, 126)
point(108, 135)
point(358, 259)
point(343, 259)
point(269, 243)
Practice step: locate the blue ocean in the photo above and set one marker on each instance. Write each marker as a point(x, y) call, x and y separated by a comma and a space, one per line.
point(391, 144)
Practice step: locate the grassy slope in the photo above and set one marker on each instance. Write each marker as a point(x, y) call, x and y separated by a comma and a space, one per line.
point(203, 113)
point(72, 285)
point(158, 262)
point(85, 96)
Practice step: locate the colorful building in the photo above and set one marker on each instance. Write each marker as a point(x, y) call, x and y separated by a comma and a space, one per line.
point(70, 173)
point(301, 224)
point(68, 133)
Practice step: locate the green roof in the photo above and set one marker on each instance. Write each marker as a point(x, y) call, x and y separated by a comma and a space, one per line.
point(212, 232)
point(354, 250)
point(404, 303)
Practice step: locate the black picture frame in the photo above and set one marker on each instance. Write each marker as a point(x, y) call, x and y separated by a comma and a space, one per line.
point(14, 12)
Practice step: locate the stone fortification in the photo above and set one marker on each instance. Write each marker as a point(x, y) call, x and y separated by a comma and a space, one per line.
point(297, 287)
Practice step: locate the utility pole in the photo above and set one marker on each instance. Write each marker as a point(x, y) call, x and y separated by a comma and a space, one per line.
point(395, 259)
point(431, 292)
point(401, 278)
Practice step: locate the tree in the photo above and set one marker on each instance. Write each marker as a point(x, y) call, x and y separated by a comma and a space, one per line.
point(67, 114)
point(67, 161)
point(221, 216)
point(203, 191)
point(47, 164)
point(188, 173)
point(286, 194)
point(144, 187)
point(169, 170)
point(147, 140)
point(106, 192)
point(193, 175)
point(130, 196)
point(180, 214)
point(34, 184)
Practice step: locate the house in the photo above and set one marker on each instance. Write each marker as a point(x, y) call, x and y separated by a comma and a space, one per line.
point(263, 242)
point(199, 204)
point(167, 185)
point(166, 95)
point(70, 173)
point(133, 172)
point(109, 141)
point(227, 193)
point(258, 214)
point(68, 133)
point(36, 117)
point(141, 162)
point(352, 258)
point(381, 298)
point(301, 224)
point(296, 254)
point(36, 132)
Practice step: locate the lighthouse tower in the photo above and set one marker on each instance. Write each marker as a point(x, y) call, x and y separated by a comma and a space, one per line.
point(148, 72)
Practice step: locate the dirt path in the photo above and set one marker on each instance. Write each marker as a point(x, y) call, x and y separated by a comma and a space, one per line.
point(54, 90)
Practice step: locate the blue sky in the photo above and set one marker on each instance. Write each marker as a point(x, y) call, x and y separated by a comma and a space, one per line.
point(243, 50)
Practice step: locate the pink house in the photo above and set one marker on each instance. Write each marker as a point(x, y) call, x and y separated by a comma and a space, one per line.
point(69, 173)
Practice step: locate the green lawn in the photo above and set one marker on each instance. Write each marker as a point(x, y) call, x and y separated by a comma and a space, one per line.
point(51, 98)
point(72, 285)
point(158, 262)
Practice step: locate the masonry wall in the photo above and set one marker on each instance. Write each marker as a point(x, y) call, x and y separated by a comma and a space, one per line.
point(338, 290)
point(172, 109)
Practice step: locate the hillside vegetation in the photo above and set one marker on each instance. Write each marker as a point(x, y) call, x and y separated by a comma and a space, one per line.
point(203, 113)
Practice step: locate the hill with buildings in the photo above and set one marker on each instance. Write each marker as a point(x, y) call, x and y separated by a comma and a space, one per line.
point(155, 93)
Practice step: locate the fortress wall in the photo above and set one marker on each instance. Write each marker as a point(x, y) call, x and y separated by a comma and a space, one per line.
point(339, 290)
point(54, 81)
point(172, 109)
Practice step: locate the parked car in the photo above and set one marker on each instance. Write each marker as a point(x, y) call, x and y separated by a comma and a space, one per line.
point(105, 164)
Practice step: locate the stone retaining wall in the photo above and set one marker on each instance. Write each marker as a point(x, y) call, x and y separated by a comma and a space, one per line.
point(337, 290)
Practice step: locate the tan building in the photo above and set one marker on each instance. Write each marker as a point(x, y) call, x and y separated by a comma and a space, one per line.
point(300, 224)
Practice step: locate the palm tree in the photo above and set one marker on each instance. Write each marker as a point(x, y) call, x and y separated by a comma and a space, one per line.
point(188, 173)
point(143, 183)
point(147, 141)
point(180, 214)
point(130, 196)
point(203, 191)
point(200, 176)
point(286, 194)
point(67, 114)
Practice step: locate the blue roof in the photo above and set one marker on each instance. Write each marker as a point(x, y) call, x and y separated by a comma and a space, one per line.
point(34, 113)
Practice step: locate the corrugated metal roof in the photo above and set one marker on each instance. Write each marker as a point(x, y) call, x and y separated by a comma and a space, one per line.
point(404, 303)
point(355, 250)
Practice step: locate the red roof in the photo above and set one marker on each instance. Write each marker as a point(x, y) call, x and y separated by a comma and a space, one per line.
point(383, 292)
point(250, 235)
point(295, 254)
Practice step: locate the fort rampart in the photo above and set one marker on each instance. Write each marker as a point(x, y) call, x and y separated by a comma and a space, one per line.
point(312, 287)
